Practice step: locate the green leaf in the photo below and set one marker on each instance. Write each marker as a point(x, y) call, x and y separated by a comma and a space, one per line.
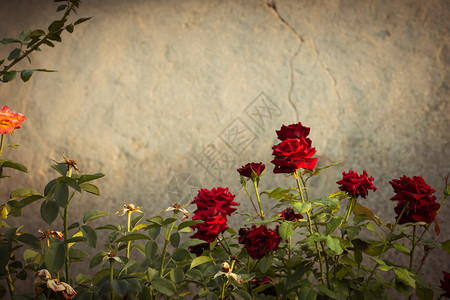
point(157, 220)
point(81, 20)
point(446, 245)
point(404, 276)
point(9, 76)
point(181, 255)
point(424, 294)
point(200, 260)
point(36, 33)
point(120, 287)
point(26, 75)
point(286, 230)
point(54, 257)
point(75, 239)
point(5, 253)
point(136, 220)
point(21, 193)
point(188, 223)
point(61, 7)
point(55, 26)
point(97, 259)
point(24, 35)
point(239, 294)
point(401, 248)
point(6, 41)
point(265, 263)
point(307, 293)
point(334, 244)
point(175, 239)
point(49, 187)
point(191, 242)
point(133, 237)
point(333, 225)
point(90, 235)
point(93, 214)
point(86, 178)
point(61, 194)
point(70, 28)
point(49, 211)
point(14, 54)
point(301, 208)
point(30, 240)
point(6, 163)
point(77, 255)
point(90, 188)
point(164, 286)
point(322, 288)
point(29, 255)
point(60, 168)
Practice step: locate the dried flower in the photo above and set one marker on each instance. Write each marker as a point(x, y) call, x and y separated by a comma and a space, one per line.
point(178, 207)
point(129, 208)
point(44, 284)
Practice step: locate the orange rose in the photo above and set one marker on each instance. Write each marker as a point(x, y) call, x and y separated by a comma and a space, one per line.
point(10, 120)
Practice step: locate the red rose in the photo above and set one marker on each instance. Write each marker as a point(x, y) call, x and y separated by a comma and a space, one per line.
point(290, 215)
point(213, 206)
point(218, 198)
point(10, 120)
point(445, 284)
point(247, 170)
point(356, 185)
point(259, 241)
point(294, 131)
point(417, 194)
point(269, 290)
point(293, 154)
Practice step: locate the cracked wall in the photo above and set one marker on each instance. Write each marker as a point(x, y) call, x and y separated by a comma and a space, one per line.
point(159, 93)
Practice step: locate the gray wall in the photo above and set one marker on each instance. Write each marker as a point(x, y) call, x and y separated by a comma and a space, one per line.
point(148, 90)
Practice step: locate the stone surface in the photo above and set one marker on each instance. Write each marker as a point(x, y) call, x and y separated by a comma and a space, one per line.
point(152, 93)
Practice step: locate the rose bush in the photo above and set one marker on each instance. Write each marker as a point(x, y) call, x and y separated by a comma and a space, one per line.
point(312, 249)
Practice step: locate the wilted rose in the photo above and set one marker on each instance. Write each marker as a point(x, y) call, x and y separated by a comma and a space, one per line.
point(290, 215)
point(356, 185)
point(10, 120)
point(445, 284)
point(268, 282)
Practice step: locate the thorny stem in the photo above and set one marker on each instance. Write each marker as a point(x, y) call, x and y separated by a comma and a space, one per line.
point(322, 276)
point(385, 244)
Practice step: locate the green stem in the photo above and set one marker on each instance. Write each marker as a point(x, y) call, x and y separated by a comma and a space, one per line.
point(251, 200)
point(10, 283)
point(111, 268)
point(166, 244)
point(385, 244)
point(322, 276)
point(259, 200)
point(128, 230)
point(350, 206)
point(38, 44)
point(223, 287)
point(1, 145)
point(66, 245)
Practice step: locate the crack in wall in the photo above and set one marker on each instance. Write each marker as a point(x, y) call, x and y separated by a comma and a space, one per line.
point(272, 7)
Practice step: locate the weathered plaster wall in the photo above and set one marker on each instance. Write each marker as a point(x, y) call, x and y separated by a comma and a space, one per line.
point(147, 91)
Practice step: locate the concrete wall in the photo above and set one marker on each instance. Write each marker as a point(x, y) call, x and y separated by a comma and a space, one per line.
point(152, 93)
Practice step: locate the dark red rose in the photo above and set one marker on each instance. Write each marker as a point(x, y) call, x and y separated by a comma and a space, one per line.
point(259, 241)
point(290, 215)
point(293, 154)
point(213, 206)
point(356, 185)
point(198, 249)
point(294, 131)
point(246, 170)
point(214, 223)
point(418, 195)
point(445, 284)
point(218, 198)
point(269, 290)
